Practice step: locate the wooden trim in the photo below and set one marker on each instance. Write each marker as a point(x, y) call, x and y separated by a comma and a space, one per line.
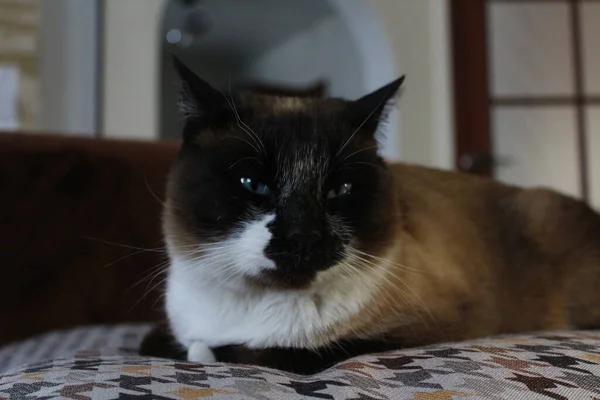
point(471, 88)
point(578, 68)
point(540, 1)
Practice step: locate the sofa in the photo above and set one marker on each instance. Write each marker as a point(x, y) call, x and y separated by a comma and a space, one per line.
point(81, 270)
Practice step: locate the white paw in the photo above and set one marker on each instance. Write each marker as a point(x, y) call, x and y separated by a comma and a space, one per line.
point(199, 352)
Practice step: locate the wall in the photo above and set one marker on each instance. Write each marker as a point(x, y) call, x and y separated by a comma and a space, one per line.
point(417, 30)
point(325, 42)
point(131, 62)
point(69, 56)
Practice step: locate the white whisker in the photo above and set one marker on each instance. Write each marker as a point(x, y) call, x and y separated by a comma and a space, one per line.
point(157, 249)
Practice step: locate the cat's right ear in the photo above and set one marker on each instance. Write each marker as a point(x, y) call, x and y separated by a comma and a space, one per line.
point(198, 100)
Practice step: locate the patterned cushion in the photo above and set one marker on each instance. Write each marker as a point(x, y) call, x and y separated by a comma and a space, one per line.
point(68, 343)
point(546, 366)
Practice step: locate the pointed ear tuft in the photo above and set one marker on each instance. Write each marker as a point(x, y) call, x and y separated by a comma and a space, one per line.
point(197, 98)
point(371, 109)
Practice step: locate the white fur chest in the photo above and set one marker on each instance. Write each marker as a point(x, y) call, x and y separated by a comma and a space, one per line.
point(205, 311)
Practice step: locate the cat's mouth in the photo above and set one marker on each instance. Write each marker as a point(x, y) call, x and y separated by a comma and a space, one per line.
point(294, 272)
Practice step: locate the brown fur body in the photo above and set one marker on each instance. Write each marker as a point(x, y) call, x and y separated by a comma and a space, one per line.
point(487, 259)
point(411, 256)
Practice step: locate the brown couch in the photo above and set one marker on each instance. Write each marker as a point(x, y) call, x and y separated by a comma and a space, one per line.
point(61, 200)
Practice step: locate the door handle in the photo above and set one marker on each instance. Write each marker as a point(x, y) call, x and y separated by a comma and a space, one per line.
point(477, 163)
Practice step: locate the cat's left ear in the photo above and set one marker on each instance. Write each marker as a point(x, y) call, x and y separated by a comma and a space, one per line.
point(197, 98)
point(368, 111)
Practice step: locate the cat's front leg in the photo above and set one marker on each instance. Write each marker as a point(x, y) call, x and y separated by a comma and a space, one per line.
point(159, 342)
point(200, 352)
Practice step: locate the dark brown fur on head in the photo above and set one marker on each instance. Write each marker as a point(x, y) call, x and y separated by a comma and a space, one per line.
point(300, 149)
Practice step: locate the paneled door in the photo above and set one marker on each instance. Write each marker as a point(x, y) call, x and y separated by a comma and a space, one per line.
point(527, 92)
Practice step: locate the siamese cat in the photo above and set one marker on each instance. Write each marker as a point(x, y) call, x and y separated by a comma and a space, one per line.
point(294, 245)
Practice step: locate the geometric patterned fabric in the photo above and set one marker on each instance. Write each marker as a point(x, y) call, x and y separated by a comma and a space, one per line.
point(102, 363)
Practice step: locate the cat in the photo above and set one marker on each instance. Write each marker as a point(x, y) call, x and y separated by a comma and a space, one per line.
point(294, 245)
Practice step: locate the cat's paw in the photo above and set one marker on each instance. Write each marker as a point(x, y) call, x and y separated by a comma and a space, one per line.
point(199, 352)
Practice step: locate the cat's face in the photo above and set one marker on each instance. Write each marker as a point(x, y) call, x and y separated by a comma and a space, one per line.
point(274, 190)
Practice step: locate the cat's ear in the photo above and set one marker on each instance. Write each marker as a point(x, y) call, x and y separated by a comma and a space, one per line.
point(197, 98)
point(368, 111)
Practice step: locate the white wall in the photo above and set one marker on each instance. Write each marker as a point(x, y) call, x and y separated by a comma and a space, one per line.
point(69, 66)
point(420, 35)
point(418, 30)
point(326, 53)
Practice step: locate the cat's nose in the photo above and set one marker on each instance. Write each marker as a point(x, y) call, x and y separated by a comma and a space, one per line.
point(303, 236)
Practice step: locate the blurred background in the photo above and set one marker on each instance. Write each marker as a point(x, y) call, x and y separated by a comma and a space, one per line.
point(507, 88)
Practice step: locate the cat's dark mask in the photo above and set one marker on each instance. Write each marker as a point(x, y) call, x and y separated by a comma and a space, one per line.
point(276, 189)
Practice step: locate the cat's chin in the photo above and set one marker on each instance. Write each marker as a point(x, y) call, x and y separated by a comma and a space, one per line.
point(281, 281)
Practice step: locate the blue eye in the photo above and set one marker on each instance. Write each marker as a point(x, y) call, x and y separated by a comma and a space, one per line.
point(340, 191)
point(255, 186)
